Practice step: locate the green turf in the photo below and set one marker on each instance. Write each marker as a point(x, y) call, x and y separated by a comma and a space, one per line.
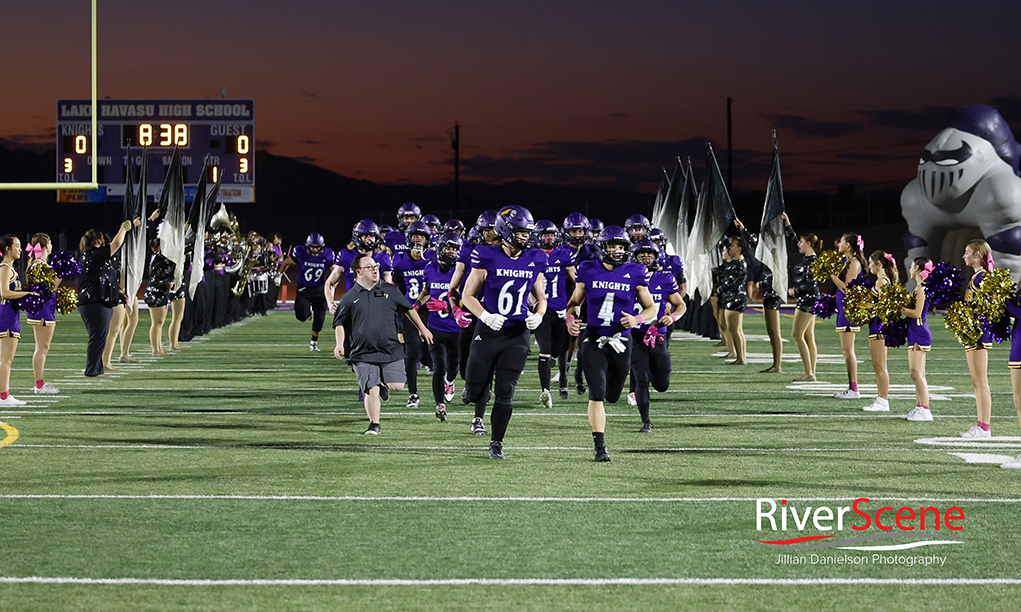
point(243, 459)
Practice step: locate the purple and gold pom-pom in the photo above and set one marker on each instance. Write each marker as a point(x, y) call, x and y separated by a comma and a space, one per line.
point(989, 297)
point(892, 297)
point(44, 291)
point(859, 305)
point(825, 306)
point(32, 304)
point(827, 263)
point(41, 274)
point(66, 265)
point(895, 335)
point(998, 330)
point(861, 281)
point(961, 321)
point(943, 287)
point(67, 300)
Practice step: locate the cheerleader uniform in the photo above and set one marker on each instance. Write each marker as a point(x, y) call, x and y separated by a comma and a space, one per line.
point(986, 341)
point(919, 334)
point(1014, 361)
point(47, 315)
point(875, 324)
point(10, 320)
point(733, 285)
point(161, 272)
point(843, 325)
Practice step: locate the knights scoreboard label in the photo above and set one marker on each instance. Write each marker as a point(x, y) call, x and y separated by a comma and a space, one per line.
point(223, 130)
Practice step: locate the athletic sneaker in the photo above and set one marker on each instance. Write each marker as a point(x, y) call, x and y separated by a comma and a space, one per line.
point(46, 388)
point(880, 405)
point(12, 401)
point(384, 392)
point(645, 428)
point(631, 401)
point(428, 371)
point(373, 429)
point(556, 378)
point(582, 388)
point(976, 432)
point(441, 412)
point(919, 414)
point(313, 347)
point(601, 454)
point(478, 427)
point(564, 393)
point(1013, 464)
point(496, 450)
point(546, 399)
point(413, 401)
point(847, 394)
point(448, 391)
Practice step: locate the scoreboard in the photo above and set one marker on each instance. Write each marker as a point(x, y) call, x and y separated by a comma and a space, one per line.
point(222, 130)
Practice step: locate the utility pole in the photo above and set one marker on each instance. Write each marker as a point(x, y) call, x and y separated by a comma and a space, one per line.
point(730, 152)
point(455, 143)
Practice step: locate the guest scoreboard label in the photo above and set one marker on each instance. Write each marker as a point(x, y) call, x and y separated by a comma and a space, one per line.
point(223, 130)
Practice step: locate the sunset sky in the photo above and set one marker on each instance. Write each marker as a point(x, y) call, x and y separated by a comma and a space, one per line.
point(560, 92)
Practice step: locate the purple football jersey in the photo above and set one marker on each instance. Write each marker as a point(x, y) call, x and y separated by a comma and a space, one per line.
point(438, 282)
point(312, 270)
point(610, 294)
point(508, 281)
point(558, 260)
point(412, 274)
point(662, 285)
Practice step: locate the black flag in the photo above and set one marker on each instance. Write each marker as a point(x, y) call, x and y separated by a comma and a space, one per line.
point(714, 215)
point(772, 247)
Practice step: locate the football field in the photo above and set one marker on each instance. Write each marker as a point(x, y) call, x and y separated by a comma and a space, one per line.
point(235, 476)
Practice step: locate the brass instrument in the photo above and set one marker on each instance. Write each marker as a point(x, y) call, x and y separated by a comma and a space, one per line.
point(244, 269)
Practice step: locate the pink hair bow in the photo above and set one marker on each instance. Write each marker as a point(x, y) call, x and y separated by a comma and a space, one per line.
point(35, 250)
point(861, 243)
point(989, 261)
point(925, 271)
point(889, 258)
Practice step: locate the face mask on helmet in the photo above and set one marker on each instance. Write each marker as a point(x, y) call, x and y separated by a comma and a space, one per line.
point(952, 163)
point(366, 242)
point(615, 252)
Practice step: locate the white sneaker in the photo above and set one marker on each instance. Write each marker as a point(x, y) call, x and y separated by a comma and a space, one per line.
point(12, 401)
point(976, 432)
point(46, 388)
point(919, 414)
point(631, 400)
point(478, 427)
point(880, 405)
point(556, 378)
point(546, 399)
point(413, 401)
point(1013, 464)
point(448, 391)
point(313, 347)
point(847, 394)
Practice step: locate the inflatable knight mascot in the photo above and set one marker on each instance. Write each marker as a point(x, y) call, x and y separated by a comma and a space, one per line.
point(967, 179)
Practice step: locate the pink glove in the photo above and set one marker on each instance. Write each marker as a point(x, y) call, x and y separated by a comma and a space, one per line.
point(435, 305)
point(461, 318)
point(652, 336)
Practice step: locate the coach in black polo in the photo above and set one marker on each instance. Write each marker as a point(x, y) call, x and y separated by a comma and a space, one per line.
point(369, 311)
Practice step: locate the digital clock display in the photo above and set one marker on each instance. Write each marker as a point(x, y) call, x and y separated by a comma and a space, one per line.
point(220, 131)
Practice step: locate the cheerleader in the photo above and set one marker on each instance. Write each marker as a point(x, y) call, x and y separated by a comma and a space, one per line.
point(882, 265)
point(1014, 364)
point(10, 325)
point(919, 340)
point(979, 257)
point(157, 295)
point(805, 290)
point(734, 298)
point(850, 246)
point(44, 322)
